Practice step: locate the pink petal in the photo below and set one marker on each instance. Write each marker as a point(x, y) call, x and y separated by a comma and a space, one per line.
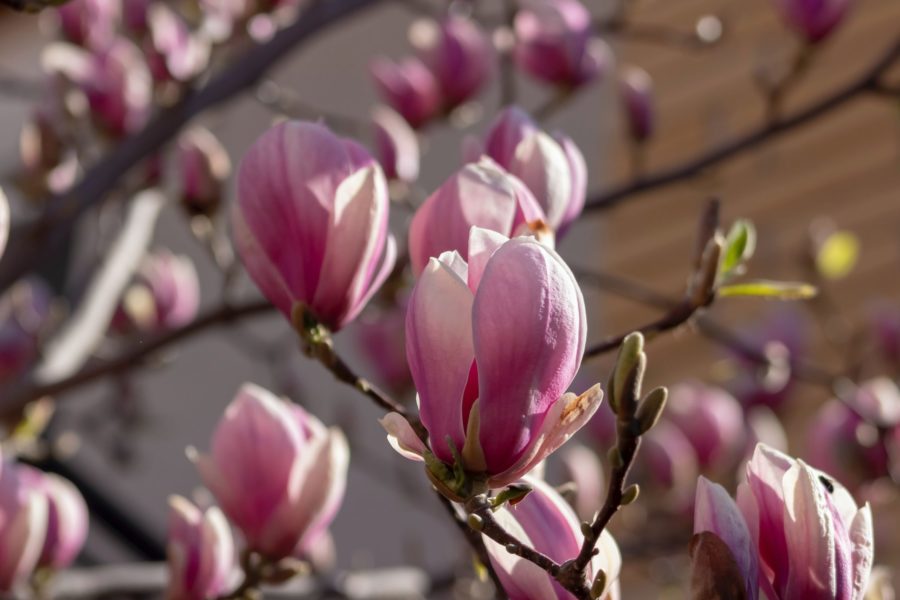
point(539, 161)
point(440, 352)
point(402, 437)
point(810, 536)
point(529, 327)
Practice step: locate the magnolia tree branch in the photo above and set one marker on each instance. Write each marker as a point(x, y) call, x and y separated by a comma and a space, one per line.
point(43, 236)
point(12, 402)
point(868, 83)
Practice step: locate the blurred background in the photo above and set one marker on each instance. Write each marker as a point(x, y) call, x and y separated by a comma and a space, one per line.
point(124, 438)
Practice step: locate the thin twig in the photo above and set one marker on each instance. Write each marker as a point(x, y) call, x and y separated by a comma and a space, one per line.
point(868, 82)
point(13, 401)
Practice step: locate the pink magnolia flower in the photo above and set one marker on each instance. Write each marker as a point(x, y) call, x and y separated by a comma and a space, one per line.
point(200, 551)
point(118, 87)
point(89, 23)
point(396, 145)
point(311, 222)
point(67, 518)
point(23, 508)
point(478, 195)
point(813, 540)
point(203, 168)
point(545, 522)
point(551, 167)
point(668, 463)
point(173, 51)
point(458, 53)
point(716, 512)
point(165, 295)
point(278, 473)
point(555, 43)
point(408, 87)
point(493, 345)
point(711, 418)
point(840, 441)
point(636, 90)
point(814, 20)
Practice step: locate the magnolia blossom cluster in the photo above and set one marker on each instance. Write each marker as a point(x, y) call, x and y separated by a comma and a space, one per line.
point(43, 522)
point(278, 475)
point(794, 532)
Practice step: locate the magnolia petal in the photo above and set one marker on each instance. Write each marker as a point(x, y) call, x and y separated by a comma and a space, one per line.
point(715, 511)
point(440, 352)
point(810, 536)
point(402, 437)
point(862, 552)
point(542, 165)
point(528, 321)
point(356, 237)
point(567, 415)
point(579, 173)
point(482, 245)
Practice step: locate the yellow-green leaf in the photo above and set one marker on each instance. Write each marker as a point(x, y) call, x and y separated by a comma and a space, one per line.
point(739, 246)
point(838, 255)
point(781, 290)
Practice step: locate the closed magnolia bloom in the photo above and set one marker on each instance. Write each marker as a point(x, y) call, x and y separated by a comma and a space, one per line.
point(458, 53)
point(551, 167)
point(813, 540)
point(200, 551)
point(668, 463)
point(165, 295)
point(89, 23)
point(23, 524)
point(712, 420)
point(396, 145)
point(478, 195)
point(555, 43)
point(814, 20)
point(173, 51)
point(493, 346)
point(544, 521)
point(118, 87)
point(311, 222)
point(67, 518)
point(842, 442)
point(203, 168)
point(408, 87)
point(636, 89)
point(277, 472)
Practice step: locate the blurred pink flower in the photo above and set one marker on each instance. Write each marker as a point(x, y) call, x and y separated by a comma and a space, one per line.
point(200, 551)
point(165, 294)
point(203, 167)
point(396, 145)
point(553, 168)
point(173, 51)
point(711, 419)
point(813, 20)
point(408, 87)
point(382, 339)
point(89, 23)
point(636, 90)
point(478, 195)
point(555, 43)
point(458, 53)
point(278, 473)
point(67, 518)
point(23, 525)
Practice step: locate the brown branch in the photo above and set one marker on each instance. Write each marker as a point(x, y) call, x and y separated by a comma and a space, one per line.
point(13, 401)
point(677, 316)
point(868, 82)
point(43, 236)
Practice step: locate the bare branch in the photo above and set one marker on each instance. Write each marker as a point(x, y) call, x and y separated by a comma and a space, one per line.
point(868, 82)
